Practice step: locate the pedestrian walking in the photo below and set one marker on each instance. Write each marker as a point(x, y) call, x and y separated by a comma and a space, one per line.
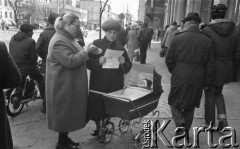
point(9, 78)
point(132, 43)
point(144, 38)
point(102, 79)
point(22, 49)
point(190, 61)
point(224, 35)
point(171, 31)
point(7, 27)
point(44, 39)
point(66, 81)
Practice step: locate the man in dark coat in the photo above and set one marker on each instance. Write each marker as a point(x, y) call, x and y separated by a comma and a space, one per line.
point(190, 61)
point(22, 50)
point(44, 39)
point(144, 38)
point(224, 35)
point(9, 78)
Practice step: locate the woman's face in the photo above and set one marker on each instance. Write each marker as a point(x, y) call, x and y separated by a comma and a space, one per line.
point(73, 28)
point(111, 35)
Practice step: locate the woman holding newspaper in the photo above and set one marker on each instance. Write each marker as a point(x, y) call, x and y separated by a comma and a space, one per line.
point(107, 67)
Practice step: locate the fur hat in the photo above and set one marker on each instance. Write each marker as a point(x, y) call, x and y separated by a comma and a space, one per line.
point(26, 28)
point(220, 8)
point(192, 16)
point(111, 24)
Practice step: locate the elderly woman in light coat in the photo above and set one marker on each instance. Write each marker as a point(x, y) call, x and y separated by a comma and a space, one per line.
point(132, 43)
point(66, 81)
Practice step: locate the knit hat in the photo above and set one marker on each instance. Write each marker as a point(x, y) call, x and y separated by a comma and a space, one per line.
point(26, 28)
point(111, 24)
point(192, 16)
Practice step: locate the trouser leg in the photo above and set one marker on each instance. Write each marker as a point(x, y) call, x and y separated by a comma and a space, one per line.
point(188, 117)
point(220, 103)
point(210, 105)
point(36, 75)
point(143, 52)
point(177, 116)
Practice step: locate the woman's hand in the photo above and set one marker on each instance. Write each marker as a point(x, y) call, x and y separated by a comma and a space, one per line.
point(93, 49)
point(102, 60)
point(121, 60)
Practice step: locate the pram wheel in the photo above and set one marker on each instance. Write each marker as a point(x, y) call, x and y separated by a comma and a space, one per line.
point(106, 132)
point(123, 125)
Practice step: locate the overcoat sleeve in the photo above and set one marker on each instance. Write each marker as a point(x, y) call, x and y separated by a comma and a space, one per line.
point(165, 38)
point(66, 57)
point(170, 58)
point(39, 46)
point(209, 66)
point(12, 74)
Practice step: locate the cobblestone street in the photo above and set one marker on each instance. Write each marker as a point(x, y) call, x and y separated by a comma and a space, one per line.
point(29, 129)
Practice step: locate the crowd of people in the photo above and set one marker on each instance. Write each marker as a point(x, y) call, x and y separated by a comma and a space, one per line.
point(199, 59)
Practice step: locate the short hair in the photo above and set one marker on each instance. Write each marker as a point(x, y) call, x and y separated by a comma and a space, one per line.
point(191, 23)
point(52, 17)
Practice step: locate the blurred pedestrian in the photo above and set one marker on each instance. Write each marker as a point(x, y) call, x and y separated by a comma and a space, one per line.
point(44, 39)
point(171, 31)
point(132, 43)
point(224, 35)
point(190, 60)
point(22, 50)
point(66, 81)
point(102, 79)
point(144, 38)
point(122, 36)
point(181, 27)
point(9, 78)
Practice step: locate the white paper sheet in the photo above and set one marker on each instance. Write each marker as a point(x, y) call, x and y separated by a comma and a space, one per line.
point(112, 59)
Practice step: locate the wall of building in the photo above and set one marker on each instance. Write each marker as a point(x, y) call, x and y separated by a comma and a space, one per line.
point(6, 12)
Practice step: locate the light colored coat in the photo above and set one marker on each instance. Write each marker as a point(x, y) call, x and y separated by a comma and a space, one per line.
point(171, 31)
point(132, 43)
point(66, 84)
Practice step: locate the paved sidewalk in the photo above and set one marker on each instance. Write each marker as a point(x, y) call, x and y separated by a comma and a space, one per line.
point(29, 129)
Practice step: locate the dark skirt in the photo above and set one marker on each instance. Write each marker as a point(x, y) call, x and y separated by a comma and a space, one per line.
point(96, 108)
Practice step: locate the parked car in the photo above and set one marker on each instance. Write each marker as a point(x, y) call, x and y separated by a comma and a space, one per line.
point(98, 29)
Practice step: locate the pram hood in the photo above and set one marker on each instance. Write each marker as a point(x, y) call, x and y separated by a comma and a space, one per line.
point(143, 73)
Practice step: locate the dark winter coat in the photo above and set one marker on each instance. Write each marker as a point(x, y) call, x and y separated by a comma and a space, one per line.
point(22, 50)
point(104, 80)
point(224, 35)
point(42, 44)
point(190, 61)
point(9, 78)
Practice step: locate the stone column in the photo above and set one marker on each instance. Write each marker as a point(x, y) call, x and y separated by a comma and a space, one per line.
point(231, 9)
point(180, 12)
point(205, 11)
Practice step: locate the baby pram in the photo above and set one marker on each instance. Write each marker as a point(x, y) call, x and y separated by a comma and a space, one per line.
point(139, 97)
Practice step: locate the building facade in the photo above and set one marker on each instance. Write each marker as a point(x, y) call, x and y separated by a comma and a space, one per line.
point(6, 12)
point(93, 8)
point(176, 10)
